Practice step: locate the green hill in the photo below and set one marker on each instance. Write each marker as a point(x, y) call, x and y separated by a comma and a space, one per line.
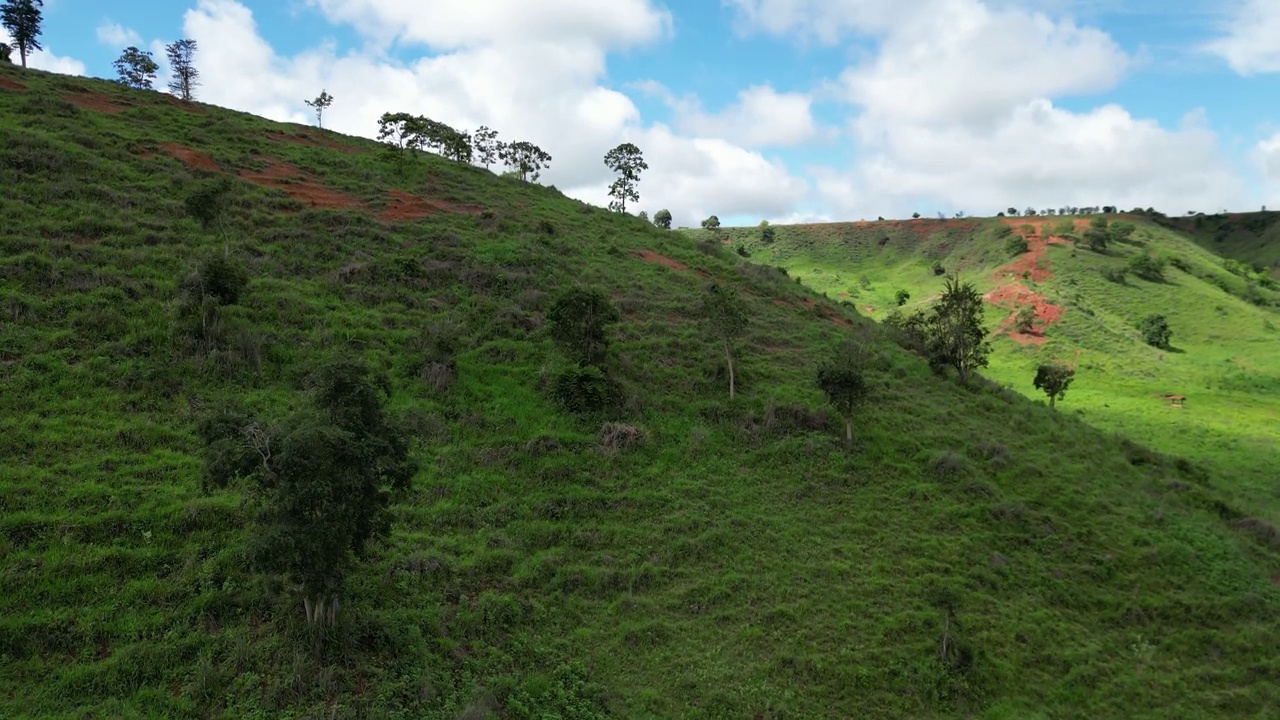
point(1225, 353)
point(976, 555)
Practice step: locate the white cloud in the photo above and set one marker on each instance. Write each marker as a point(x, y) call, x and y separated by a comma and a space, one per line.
point(541, 86)
point(1250, 43)
point(1267, 156)
point(117, 35)
point(45, 59)
point(761, 117)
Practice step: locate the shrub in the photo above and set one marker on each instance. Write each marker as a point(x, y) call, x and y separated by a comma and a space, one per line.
point(1115, 275)
point(579, 322)
point(585, 389)
point(948, 464)
point(217, 277)
point(1026, 320)
point(901, 297)
point(662, 219)
point(1016, 245)
point(938, 269)
point(1155, 331)
point(618, 436)
point(1053, 379)
point(1147, 267)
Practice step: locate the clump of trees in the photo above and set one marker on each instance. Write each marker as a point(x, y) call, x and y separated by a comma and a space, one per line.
point(1016, 245)
point(628, 162)
point(1096, 236)
point(320, 104)
point(711, 223)
point(525, 159)
point(23, 18)
point(1147, 267)
point(406, 134)
point(767, 232)
point(323, 479)
point(724, 316)
point(951, 333)
point(136, 69)
point(1155, 331)
point(1053, 379)
point(186, 78)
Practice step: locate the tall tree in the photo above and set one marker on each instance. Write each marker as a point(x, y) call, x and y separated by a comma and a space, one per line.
point(955, 336)
point(136, 68)
point(185, 77)
point(320, 104)
point(485, 145)
point(1053, 379)
point(844, 384)
point(725, 317)
point(627, 161)
point(526, 160)
point(22, 19)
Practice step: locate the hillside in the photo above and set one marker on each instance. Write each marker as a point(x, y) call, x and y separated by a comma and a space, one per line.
point(1225, 354)
point(976, 555)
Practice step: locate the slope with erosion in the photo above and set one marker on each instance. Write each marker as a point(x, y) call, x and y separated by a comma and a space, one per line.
point(1226, 346)
point(977, 555)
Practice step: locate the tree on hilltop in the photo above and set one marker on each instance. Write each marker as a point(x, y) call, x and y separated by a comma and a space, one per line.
point(485, 146)
point(186, 78)
point(136, 69)
point(724, 315)
point(1054, 378)
point(320, 104)
point(662, 219)
point(22, 18)
point(711, 223)
point(401, 133)
point(525, 159)
point(627, 161)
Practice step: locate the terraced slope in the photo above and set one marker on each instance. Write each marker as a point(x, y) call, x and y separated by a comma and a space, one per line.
point(976, 555)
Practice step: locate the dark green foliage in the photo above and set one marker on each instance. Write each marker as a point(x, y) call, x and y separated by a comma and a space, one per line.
point(1115, 275)
point(525, 159)
point(579, 322)
point(724, 315)
point(901, 297)
point(1155, 331)
point(767, 233)
point(711, 223)
point(841, 379)
point(1016, 245)
point(628, 162)
point(662, 219)
point(1147, 267)
point(22, 18)
point(1053, 379)
point(585, 389)
point(1026, 319)
point(1122, 231)
point(217, 277)
point(938, 269)
point(136, 69)
point(953, 329)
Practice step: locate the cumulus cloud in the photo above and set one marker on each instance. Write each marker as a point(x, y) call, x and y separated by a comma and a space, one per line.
point(531, 75)
point(1250, 40)
point(955, 111)
point(117, 35)
point(1267, 155)
point(46, 59)
point(761, 117)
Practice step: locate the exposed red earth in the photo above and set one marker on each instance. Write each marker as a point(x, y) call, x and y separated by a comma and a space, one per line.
point(8, 84)
point(1031, 265)
point(653, 257)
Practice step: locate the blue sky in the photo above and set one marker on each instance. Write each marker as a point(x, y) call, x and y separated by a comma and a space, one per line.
point(853, 108)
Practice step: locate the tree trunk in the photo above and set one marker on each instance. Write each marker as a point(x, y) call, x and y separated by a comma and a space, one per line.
point(1052, 399)
point(306, 607)
point(848, 434)
point(729, 356)
point(22, 50)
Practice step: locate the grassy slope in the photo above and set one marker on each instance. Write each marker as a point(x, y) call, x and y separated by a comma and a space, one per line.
point(739, 564)
point(1253, 238)
point(1226, 356)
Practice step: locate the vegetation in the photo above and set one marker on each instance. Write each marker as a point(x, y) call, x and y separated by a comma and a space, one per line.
point(1016, 245)
point(23, 18)
point(725, 317)
point(185, 78)
point(662, 219)
point(1155, 331)
point(841, 379)
point(136, 68)
point(628, 162)
point(545, 562)
point(525, 159)
point(955, 337)
point(711, 223)
point(1053, 379)
point(320, 104)
point(579, 321)
point(485, 146)
point(901, 297)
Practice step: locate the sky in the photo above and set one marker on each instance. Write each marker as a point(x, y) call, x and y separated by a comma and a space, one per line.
point(779, 110)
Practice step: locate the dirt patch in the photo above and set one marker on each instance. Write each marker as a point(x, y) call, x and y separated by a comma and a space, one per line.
point(283, 176)
point(1016, 296)
point(8, 84)
point(650, 256)
point(190, 158)
point(94, 101)
point(311, 138)
point(1033, 267)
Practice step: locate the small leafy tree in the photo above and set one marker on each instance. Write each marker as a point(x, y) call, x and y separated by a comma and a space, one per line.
point(526, 159)
point(1096, 237)
point(767, 233)
point(579, 321)
point(1016, 245)
point(1025, 321)
point(711, 223)
point(208, 204)
point(22, 18)
point(6, 53)
point(1013, 211)
point(845, 386)
point(186, 78)
point(1122, 231)
point(644, 215)
point(402, 134)
point(627, 161)
point(915, 216)
point(320, 104)
point(724, 315)
point(485, 146)
point(954, 335)
point(901, 297)
point(1155, 331)
point(325, 480)
point(457, 146)
point(1053, 379)
point(662, 219)
point(136, 69)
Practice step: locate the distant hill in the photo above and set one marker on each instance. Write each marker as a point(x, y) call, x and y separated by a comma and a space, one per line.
point(976, 555)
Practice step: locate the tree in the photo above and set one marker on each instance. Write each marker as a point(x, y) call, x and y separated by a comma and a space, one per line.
point(526, 159)
point(711, 223)
point(186, 78)
point(1025, 321)
point(22, 19)
point(767, 233)
point(954, 333)
point(845, 386)
point(1016, 245)
point(1122, 231)
point(901, 297)
point(1155, 331)
point(915, 216)
point(724, 315)
point(1054, 378)
point(401, 132)
point(1147, 267)
point(662, 219)
point(485, 145)
point(321, 103)
point(627, 161)
point(1096, 236)
point(6, 55)
point(1013, 211)
point(579, 322)
point(457, 146)
point(136, 68)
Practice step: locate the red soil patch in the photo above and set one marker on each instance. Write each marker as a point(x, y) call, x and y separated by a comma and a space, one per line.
point(1032, 266)
point(1016, 296)
point(299, 186)
point(8, 84)
point(189, 157)
point(312, 139)
point(405, 207)
point(653, 257)
point(94, 101)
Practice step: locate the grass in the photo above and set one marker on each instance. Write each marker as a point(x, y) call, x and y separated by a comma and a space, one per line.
point(977, 555)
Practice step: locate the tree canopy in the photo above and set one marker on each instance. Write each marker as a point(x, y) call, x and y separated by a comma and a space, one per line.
point(955, 336)
point(627, 161)
point(136, 69)
point(23, 18)
point(320, 104)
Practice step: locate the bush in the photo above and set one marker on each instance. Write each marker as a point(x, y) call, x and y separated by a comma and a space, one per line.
point(1147, 267)
point(617, 436)
point(1115, 275)
point(938, 269)
point(1016, 245)
point(1155, 331)
point(948, 464)
point(901, 297)
point(216, 277)
point(585, 389)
